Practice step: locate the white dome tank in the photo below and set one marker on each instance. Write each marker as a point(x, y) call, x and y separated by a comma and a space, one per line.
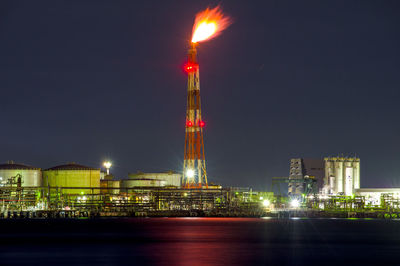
point(31, 176)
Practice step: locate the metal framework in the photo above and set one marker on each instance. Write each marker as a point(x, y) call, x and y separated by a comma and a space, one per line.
point(308, 182)
point(194, 165)
point(170, 201)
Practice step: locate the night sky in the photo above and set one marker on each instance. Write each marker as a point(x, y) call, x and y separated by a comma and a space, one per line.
point(84, 81)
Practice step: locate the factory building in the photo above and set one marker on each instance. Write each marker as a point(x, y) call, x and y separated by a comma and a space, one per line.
point(295, 174)
point(342, 175)
point(20, 174)
point(152, 180)
point(333, 175)
point(300, 170)
point(73, 176)
point(373, 196)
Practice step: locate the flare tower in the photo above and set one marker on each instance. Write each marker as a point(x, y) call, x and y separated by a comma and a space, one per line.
point(194, 164)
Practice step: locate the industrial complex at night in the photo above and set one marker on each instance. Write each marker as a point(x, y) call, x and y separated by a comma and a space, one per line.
point(114, 150)
point(328, 187)
point(314, 187)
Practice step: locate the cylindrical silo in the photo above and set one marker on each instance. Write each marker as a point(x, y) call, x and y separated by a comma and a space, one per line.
point(356, 166)
point(342, 174)
point(339, 175)
point(348, 177)
point(328, 172)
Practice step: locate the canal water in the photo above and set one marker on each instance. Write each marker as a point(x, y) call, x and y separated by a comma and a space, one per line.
point(200, 241)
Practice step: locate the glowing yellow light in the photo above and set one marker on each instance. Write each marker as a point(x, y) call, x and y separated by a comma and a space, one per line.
point(107, 165)
point(266, 203)
point(190, 173)
point(295, 203)
point(204, 31)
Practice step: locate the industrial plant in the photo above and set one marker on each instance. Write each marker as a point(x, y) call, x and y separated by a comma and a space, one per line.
point(332, 187)
point(329, 187)
point(75, 190)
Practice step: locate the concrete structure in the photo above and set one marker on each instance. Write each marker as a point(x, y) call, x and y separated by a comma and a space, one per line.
point(73, 175)
point(342, 175)
point(31, 176)
point(300, 168)
point(296, 173)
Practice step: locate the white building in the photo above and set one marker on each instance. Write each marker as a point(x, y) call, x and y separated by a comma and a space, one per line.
point(342, 175)
point(373, 196)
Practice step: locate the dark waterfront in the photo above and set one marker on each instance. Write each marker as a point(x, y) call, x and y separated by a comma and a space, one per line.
point(200, 241)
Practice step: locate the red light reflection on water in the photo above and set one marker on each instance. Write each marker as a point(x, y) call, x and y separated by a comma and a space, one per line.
point(201, 241)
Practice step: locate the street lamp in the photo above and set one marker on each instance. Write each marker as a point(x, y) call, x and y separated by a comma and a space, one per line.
point(107, 165)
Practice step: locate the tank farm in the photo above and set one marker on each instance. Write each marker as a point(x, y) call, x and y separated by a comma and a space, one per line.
point(73, 190)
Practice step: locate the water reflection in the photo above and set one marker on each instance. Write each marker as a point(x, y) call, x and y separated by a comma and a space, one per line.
point(200, 241)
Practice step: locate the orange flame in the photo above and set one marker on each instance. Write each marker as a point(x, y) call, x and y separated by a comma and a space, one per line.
point(209, 24)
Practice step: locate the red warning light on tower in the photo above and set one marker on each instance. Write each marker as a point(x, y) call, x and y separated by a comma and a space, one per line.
point(189, 123)
point(191, 67)
point(201, 123)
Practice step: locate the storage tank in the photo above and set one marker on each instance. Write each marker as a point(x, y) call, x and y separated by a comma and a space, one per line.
point(166, 179)
point(151, 180)
point(31, 176)
point(73, 175)
point(141, 182)
point(109, 185)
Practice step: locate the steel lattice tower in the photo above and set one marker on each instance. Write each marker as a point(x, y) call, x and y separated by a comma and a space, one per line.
point(194, 164)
